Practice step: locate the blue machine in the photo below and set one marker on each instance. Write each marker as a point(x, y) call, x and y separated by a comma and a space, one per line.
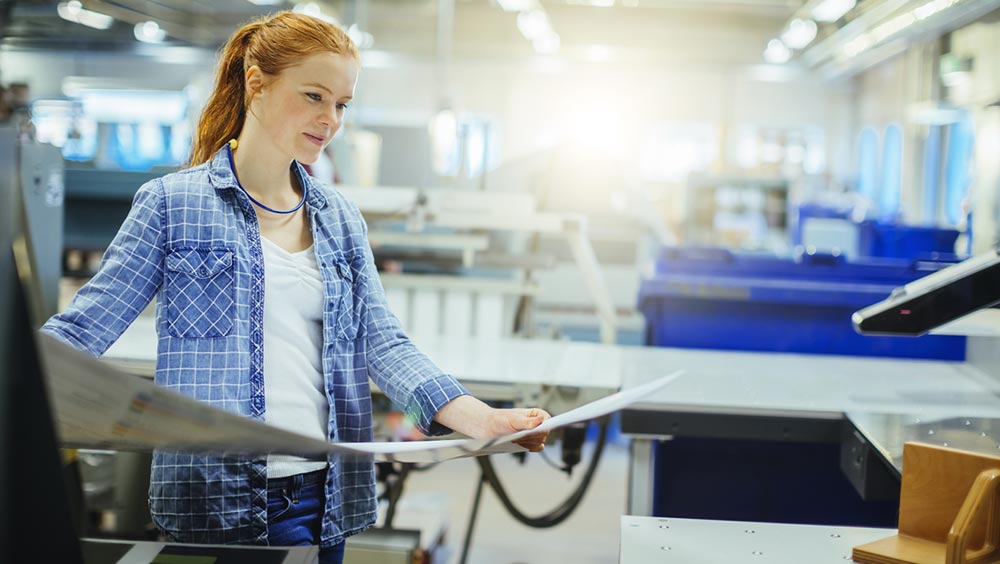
point(715, 299)
point(772, 469)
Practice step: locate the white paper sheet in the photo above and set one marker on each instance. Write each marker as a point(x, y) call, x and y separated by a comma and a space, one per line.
point(98, 406)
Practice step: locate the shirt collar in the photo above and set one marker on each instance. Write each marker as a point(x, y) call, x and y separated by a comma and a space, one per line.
point(222, 177)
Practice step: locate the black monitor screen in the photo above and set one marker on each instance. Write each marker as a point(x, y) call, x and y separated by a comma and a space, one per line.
point(934, 300)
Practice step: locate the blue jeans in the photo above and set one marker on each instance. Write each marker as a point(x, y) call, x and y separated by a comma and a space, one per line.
point(295, 512)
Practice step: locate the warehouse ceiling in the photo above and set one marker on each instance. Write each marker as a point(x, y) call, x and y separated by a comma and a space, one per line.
point(622, 31)
point(481, 27)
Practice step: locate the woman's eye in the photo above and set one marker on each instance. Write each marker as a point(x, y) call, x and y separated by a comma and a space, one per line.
point(315, 97)
point(341, 106)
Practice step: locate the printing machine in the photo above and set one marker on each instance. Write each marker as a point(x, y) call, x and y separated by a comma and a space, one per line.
point(878, 405)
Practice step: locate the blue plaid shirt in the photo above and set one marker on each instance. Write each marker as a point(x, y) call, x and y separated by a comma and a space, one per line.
point(192, 239)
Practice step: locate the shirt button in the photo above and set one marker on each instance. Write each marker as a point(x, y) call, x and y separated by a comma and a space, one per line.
point(203, 271)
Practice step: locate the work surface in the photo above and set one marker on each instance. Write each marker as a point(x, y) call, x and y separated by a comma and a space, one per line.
point(645, 540)
point(812, 386)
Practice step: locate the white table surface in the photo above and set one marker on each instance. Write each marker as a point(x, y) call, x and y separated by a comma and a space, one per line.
point(815, 386)
point(811, 385)
point(648, 540)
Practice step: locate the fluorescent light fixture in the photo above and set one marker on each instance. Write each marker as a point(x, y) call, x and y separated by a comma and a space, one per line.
point(832, 10)
point(73, 11)
point(858, 45)
point(893, 27)
point(518, 5)
point(547, 44)
point(149, 32)
point(934, 6)
point(266, 2)
point(799, 33)
point(777, 52)
point(533, 24)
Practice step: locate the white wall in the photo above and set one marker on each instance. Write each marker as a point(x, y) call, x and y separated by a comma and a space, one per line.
point(981, 42)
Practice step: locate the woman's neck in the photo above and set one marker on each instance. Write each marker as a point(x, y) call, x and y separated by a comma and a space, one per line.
point(263, 171)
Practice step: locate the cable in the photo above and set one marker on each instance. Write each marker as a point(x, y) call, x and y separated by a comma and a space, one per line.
point(566, 508)
point(552, 463)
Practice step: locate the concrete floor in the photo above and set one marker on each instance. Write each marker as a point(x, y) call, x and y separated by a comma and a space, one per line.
point(445, 493)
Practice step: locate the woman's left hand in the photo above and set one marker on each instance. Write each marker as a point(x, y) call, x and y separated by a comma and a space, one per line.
point(473, 418)
point(507, 421)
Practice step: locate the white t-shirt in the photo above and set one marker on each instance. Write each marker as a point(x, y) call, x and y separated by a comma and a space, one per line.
point(294, 396)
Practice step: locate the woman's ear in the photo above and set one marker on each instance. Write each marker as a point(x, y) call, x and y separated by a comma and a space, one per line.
point(253, 81)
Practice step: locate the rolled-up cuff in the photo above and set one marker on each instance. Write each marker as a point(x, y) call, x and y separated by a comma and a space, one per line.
point(429, 398)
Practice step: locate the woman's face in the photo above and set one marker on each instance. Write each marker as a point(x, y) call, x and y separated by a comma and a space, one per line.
point(303, 107)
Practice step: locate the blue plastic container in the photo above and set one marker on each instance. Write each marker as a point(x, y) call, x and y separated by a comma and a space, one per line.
point(880, 239)
point(715, 299)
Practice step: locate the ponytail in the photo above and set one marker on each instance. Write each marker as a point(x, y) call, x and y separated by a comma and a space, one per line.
point(222, 118)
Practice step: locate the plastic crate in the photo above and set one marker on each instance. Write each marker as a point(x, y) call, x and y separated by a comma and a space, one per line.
point(715, 299)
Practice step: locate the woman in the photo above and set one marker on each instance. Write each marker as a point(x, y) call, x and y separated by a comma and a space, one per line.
point(269, 303)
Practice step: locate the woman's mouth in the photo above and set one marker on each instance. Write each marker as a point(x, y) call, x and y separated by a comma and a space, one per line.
point(315, 139)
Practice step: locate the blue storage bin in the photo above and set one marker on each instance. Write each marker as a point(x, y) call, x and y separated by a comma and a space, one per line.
point(714, 299)
point(879, 239)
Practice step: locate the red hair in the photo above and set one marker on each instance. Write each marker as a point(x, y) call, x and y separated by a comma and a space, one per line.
point(273, 43)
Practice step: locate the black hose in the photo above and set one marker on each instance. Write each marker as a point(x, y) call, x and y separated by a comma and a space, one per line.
point(566, 508)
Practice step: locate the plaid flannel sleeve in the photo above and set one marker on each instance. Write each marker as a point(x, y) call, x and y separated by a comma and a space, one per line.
point(130, 274)
point(406, 375)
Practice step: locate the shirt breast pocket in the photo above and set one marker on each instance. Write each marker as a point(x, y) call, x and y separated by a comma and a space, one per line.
point(200, 293)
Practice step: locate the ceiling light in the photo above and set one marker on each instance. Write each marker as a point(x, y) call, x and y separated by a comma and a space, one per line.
point(893, 26)
point(799, 33)
point(518, 5)
point(149, 32)
point(266, 2)
point(777, 52)
point(934, 6)
point(533, 24)
point(832, 10)
point(73, 11)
